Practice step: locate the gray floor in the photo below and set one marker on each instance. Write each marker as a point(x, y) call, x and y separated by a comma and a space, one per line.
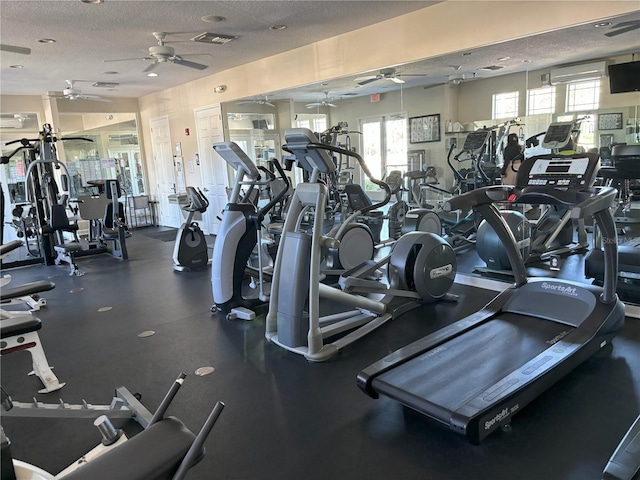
point(286, 418)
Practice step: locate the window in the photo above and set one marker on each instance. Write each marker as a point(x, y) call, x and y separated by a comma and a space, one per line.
point(505, 105)
point(384, 142)
point(541, 100)
point(583, 96)
point(316, 122)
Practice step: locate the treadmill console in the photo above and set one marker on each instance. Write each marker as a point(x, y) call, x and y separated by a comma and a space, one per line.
point(559, 171)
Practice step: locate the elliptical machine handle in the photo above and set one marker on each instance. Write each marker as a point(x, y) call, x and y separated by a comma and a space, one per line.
point(365, 169)
point(263, 211)
point(270, 176)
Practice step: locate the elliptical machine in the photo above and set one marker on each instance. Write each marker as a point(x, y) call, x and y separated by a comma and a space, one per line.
point(240, 231)
point(190, 250)
point(421, 268)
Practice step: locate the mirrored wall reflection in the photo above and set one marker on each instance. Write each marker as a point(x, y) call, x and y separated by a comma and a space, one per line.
point(15, 126)
point(111, 149)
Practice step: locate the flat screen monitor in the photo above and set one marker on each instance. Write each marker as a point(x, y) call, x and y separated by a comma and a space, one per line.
point(624, 77)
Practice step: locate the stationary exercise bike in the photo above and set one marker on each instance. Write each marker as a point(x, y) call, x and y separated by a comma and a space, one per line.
point(421, 268)
point(190, 250)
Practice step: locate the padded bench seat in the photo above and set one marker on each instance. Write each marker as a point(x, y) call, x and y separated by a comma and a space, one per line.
point(153, 454)
point(26, 289)
point(5, 248)
point(14, 326)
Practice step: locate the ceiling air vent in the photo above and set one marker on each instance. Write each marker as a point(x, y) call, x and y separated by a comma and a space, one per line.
point(216, 38)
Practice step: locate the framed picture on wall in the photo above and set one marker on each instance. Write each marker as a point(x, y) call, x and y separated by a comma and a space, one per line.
point(424, 129)
point(610, 121)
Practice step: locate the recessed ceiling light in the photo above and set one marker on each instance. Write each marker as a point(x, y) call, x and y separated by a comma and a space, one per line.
point(16, 66)
point(152, 74)
point(212, 18)
point(526, 61)
point(502, 59)
point(110, 73)
point(466, 53)
point(277, 27)
point(92, 1)
point(602, 24)
point(47, 40)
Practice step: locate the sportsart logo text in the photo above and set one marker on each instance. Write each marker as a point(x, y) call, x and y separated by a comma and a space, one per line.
point(501, 415)
point(564, 289)
point(441, 271)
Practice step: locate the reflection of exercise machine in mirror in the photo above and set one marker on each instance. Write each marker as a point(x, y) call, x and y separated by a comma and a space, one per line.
point(46, 221)
point(551, 234)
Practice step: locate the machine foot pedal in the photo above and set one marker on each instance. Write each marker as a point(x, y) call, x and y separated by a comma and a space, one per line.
point(241, 313)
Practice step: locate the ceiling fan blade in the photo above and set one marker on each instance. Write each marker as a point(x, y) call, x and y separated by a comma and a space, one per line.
point(127, 59)
point(94, 98)
point(14, 49)
point(187, 63)
point(370, 80)
point(396, 80)
point(622, 30)
point(269, 104)
point(150, 67)
point(311, 105)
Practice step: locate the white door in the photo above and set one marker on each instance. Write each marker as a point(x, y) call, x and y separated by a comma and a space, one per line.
point(167, 214)
point(215, 176)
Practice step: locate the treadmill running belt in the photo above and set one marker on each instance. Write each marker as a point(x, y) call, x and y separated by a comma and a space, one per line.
point(439, 381)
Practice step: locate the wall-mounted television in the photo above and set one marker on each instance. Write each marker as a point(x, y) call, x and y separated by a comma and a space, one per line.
point(624, 77)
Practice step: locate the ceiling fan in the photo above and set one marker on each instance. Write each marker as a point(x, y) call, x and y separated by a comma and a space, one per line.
point(162, 53)
point(72, 93)
point(325, 102)
point(256, 101)
point(14, 49)
point(623, 27)
point(386, 74)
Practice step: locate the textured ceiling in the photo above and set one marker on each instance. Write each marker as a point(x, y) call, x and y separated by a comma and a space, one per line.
point(572, 45)
point(88, 34)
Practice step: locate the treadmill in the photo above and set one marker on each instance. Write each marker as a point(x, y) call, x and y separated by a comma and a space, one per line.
point(475, 374)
